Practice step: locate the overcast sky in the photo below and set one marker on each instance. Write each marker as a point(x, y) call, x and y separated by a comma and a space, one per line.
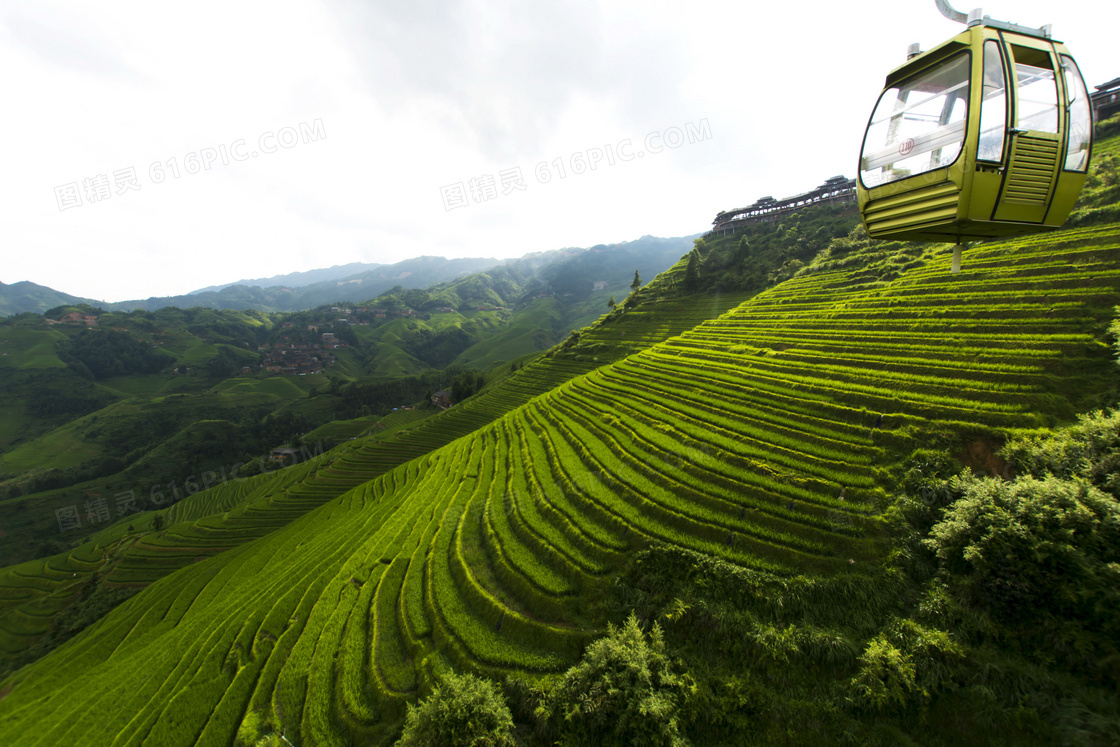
point(151, 151)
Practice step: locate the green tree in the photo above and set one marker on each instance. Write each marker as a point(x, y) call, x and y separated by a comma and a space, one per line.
point(463, 710)
point(692, 272)
point(623, 692)
point(611, 303)
point(744, 250)
point(466, 384)
point(637, 281)
point(158, 522)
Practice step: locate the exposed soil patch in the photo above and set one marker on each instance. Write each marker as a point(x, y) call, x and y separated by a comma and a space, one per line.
point(981, 457)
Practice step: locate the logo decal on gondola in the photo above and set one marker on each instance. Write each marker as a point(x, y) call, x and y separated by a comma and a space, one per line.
point(906, 146)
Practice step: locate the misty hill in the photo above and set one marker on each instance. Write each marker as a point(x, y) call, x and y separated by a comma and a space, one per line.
point(25, 296)
point(299, 279)
point(571, 271)
point(417, 272)
point(568, 271)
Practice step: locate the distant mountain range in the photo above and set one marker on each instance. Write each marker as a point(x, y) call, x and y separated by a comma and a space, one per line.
point(308, 292)
point(300, 279)
point(359, 281)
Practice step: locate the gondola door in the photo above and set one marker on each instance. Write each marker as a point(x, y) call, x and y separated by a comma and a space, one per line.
point(1035, 135)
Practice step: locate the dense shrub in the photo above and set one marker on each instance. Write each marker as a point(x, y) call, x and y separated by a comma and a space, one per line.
point(466, 384)
point(1089, 449)
point(462, 710)
point(54, 394)
point(905, 665)
point(1047, 543)
point(381, 396)
point(1108, 128)
point(1114, 332)
point(1031, 547)
point(105, 353)
point(623, 692)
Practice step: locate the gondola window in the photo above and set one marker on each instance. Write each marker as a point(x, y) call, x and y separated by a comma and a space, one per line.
point(918, 125)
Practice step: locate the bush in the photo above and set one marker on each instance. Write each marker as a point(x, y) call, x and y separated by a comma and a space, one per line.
point(468, 383)
point(886, 676)
point(906, 664)
point(1033, 547)
point(1089, 449)
point(623, 692)
point(462, 710)
point(1107, 128)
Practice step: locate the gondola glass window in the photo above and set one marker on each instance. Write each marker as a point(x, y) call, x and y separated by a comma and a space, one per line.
point(993, 107)
point(918, 125)
point(1080, 117)
point(1038, 91)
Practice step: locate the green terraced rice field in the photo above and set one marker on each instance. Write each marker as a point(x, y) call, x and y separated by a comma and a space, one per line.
point(480, 538)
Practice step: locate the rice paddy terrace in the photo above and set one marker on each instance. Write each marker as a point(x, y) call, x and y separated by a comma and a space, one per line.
point(767, 435)
point(240, 510)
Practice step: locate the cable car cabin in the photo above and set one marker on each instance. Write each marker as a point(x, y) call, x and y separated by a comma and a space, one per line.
point(986, 135)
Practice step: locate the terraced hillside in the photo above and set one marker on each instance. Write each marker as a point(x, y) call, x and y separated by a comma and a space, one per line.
point(239, 510)
point(767, 436)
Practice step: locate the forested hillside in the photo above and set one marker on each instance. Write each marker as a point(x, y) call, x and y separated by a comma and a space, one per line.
point(801, 488)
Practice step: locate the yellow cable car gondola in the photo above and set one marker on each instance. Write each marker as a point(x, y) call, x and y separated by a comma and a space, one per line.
point(986, 135)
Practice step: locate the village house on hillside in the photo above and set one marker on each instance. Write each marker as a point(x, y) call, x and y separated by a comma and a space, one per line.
point(442, 399)
point(283, 454)
point(299, 358)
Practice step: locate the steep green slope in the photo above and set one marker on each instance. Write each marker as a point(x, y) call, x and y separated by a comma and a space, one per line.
point(769, 437)
point(75, 448)
point(241, 508)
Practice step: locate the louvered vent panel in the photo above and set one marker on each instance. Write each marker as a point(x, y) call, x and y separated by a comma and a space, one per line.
point(1032, 171)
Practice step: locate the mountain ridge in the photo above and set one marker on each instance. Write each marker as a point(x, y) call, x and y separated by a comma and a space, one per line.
point(313, 287)
point(298, 278)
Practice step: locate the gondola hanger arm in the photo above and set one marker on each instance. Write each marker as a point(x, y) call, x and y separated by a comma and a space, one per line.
point(950, 12)
point(976, 17)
